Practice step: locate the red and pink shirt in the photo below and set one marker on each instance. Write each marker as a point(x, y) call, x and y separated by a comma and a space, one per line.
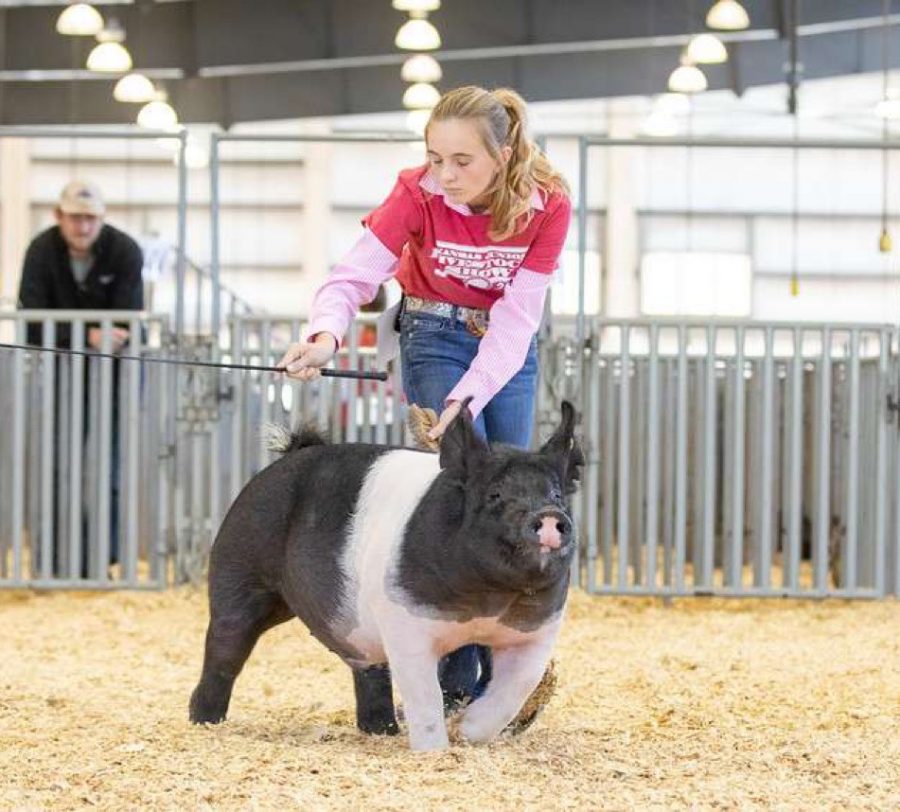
point(441, 250)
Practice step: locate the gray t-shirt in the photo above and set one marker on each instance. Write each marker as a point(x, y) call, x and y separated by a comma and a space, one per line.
point(81, 268)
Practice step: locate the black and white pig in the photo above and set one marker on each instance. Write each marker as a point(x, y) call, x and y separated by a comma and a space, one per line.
point(400, 556)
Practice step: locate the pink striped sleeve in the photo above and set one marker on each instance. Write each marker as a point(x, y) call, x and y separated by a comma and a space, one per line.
point(514, 320)
point(352, 282)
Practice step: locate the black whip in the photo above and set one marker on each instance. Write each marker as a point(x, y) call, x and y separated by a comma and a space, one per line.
point(326, 373)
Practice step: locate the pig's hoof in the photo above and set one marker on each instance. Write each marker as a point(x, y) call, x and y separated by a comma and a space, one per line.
point(203, 711)
point(378, 726)
point(535, 703)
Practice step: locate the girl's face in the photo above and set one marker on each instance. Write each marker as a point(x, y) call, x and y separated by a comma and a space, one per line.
point(460, 162)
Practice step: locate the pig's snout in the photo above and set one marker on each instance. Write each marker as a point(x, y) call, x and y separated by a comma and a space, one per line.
point(551, 529)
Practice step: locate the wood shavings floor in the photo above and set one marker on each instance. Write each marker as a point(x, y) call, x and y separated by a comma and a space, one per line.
point(706, 704)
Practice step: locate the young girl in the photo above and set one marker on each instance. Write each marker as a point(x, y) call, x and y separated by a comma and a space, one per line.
point(473, 237)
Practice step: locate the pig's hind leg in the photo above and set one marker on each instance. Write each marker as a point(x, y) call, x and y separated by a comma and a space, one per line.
point(237, 619)
point(375, 701)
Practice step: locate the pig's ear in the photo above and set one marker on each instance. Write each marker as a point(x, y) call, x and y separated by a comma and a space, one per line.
point(461, 447)
point(564, 447)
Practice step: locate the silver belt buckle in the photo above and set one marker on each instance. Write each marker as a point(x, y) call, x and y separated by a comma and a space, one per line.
point(476, 322)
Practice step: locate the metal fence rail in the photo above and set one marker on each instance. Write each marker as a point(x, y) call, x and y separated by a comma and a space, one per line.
point(222, 418)
point(730, 458)
point(84, 486)
point(739, 459)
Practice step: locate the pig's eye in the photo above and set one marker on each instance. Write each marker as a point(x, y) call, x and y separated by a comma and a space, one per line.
point(494, 497)
point(555, 494)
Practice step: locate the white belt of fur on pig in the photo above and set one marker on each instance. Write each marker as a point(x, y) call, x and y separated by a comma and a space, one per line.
point(475, 319)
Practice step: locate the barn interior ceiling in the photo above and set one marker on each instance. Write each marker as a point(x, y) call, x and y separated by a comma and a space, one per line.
point(228, 61)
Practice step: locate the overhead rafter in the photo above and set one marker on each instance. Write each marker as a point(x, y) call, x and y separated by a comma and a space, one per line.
point(231, 60)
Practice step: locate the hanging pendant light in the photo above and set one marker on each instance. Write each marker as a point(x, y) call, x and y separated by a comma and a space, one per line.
point(134, 87)
point(707, 49)
point(416, 6)
point(417, 35)
point(728, 15)
point(887, 109)
point(79, 20)
point(687, 78)
point(158, 114)
point(421, 68)
point(421, 96)
point(110, 56)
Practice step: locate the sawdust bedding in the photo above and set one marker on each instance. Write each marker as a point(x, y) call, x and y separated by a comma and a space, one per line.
point(703, 704)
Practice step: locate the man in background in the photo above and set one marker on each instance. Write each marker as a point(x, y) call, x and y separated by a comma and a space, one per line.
point(83, 263)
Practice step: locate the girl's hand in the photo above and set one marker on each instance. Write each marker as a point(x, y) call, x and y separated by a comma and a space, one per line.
point(444, 420)
point(303, 360)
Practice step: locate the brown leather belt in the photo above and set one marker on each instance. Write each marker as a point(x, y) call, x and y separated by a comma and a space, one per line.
point(475, 319)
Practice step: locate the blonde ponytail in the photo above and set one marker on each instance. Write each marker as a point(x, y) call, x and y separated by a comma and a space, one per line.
point(502, 118)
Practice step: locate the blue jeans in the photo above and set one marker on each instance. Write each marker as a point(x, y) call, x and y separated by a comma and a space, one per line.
point(435, 352)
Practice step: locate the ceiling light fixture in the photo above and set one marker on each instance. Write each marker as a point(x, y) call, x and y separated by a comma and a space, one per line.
point(134, 87)
point(707, 49)
point(79, 20)
point(687, 78)
point(110, 56)
point(158, 114)
point(728, 15)
point(421, 96)
point(421, 68)
point(416, 6)
point(417, 35)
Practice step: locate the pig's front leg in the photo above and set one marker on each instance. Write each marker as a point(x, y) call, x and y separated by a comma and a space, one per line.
point(414, 667)
point(517, 671)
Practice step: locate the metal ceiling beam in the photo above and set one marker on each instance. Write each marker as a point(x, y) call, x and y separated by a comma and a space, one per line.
point(338, 63)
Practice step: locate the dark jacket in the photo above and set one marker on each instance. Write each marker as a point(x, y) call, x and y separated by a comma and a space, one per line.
point(113, 283)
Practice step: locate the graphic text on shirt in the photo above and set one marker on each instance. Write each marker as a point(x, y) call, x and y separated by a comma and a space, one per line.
point(487, 267)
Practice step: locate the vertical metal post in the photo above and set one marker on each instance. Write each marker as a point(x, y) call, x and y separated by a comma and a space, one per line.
point(737, 471)
point(795, 491)
point(608, 462)
point(582, 239)
point(881, 461)
point(104, 456)
point(76, 452)
point(623, 529)
point(129, 433)
point(214, 211)
point(18, 453)
point(681, 459)
point(48, 450)
point(592, 438)
point(181, 266)
point(265, 411)
point(652, 525)
point(823, 468)
point(237, 408)
point(764, 552)
point(352, 429)
point(709, 461)
point(849, 562)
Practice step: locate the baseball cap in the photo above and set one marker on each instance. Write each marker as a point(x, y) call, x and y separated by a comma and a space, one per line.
point(81, 197)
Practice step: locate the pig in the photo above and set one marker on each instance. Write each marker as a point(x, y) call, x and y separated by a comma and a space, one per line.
point(395, 557)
